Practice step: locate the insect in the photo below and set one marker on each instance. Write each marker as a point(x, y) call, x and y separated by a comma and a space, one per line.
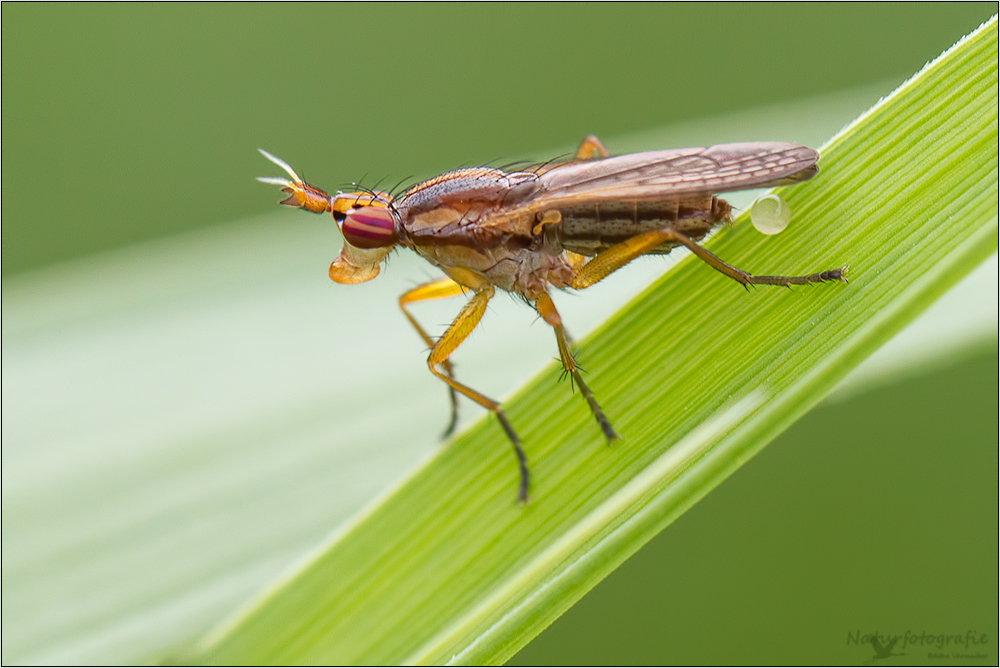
point(565, 224)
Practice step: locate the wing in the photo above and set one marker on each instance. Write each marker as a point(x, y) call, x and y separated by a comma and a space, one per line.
point(659, 175)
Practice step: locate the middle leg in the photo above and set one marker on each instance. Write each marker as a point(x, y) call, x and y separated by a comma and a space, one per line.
point(437, 289)
point(546, 309)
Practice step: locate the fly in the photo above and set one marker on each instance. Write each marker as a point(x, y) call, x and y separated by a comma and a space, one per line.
point(558, 225)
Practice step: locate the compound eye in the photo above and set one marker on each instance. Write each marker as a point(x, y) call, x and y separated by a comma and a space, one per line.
point(369, 227)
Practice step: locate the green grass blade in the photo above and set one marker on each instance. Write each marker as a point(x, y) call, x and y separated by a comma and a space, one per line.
point(697, 374)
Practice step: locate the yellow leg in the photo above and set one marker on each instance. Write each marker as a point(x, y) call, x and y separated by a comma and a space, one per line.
point(438, 289)
point(591, 148)
point(616, 257)
point(463, 325)
point(546, 309)
point(574, 259)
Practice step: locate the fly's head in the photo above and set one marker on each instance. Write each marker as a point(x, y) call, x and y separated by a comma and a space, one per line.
point(367, 220)
point(369, 224)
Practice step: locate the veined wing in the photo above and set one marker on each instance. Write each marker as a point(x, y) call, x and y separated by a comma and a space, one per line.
point(659, 175)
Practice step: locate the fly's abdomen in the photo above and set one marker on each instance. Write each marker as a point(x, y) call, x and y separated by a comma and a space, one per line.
point(590, 228)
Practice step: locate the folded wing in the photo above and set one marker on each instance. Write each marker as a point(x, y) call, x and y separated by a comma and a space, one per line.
point(659, 175)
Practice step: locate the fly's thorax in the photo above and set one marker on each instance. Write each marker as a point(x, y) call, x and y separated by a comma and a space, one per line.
point(498, 264)
point(529, 272)
point(592, 227)
point(473, 234)
point(509, 248)
point(475, 184)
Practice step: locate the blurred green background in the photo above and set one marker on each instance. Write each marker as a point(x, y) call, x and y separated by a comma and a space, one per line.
point(126, 123)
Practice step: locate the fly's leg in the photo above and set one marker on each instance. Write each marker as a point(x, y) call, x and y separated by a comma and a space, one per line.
point(839, 274)
point(463, 325)
point(546, 309)
point(438, 289)
point(591, 148)
point(573, 259)
point(616, 257)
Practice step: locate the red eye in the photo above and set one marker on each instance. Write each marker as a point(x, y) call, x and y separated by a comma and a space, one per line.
point(369, 227)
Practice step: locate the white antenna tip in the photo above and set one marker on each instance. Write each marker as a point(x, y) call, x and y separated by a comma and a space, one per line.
point(280, 163)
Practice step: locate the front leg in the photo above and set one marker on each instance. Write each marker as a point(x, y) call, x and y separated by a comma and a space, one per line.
point(463, 325)
point(437, 289)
